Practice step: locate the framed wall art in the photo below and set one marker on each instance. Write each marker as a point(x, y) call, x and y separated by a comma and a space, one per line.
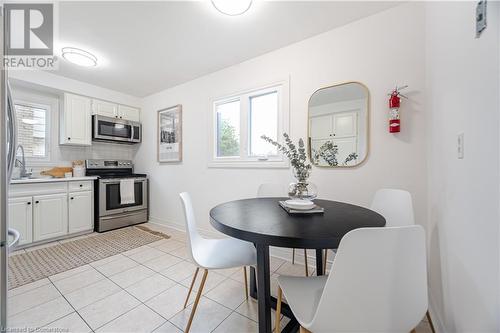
point(170, 134)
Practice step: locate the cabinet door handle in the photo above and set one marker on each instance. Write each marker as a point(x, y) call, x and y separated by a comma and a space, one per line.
point(81, 185)
point(37, 201)
point(71, 198)
point(28, 203)
point(69, 138)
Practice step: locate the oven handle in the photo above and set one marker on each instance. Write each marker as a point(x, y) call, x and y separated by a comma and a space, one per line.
point(117, 215)
point(114, 181)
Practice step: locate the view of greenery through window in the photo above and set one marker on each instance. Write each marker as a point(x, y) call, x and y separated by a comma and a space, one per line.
point(228, 129)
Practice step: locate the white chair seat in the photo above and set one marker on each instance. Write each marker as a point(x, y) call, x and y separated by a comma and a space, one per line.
point(302, 295)
point(224, 253)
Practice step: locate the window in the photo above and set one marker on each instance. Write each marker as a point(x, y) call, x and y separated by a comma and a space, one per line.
point(33, 129)
point(239, 122)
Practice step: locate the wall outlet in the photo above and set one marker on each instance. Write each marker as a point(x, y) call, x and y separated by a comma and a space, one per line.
point(460, 146)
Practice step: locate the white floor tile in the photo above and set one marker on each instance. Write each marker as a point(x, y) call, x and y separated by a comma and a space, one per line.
point(116, 266)
point(32, 298)
point(237, 323)
point(148, 254)
point(131, 276)
point(213, 280)
point(180, 271)
point(70, 272)
point(181, 252)
point(208, 316)
point(163, 262)
point(139, 319)
point(230, 293)
point(169, 245)
point(92, 293)
point(168, 327)
point(106, 260)
point(170, 302)
point(135, 251)
point(101, 312)
point(72, 323)
point(41, 315)
point(150, 287)
point(28, 287)
point(78, 281)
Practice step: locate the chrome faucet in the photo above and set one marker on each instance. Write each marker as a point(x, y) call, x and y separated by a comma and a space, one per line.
point(24, 173)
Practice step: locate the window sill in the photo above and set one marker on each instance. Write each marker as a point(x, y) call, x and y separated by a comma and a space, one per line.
point(249, 164)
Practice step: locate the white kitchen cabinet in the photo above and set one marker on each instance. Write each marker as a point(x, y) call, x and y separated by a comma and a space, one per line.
point(21, 218)
point(129, 113)
point(80, 214)
point(104, 108)
point(50, 216)
point(76, 121)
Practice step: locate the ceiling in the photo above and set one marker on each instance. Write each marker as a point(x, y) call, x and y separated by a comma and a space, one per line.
point(145, 47)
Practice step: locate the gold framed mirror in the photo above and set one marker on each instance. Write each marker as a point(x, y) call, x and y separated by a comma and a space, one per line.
point(338, 125)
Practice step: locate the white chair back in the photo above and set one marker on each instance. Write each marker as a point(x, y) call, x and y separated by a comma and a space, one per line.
point(382, 290)
point(267, 190)
point(194, 239)
point(395, 205)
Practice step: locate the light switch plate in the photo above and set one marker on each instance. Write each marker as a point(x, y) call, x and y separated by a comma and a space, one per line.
point(480, 17)
point(460, 146)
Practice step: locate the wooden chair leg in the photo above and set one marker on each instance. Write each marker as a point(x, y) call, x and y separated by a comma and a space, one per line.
point(324, 260)
point(303, 330)
point(305, 262)
point(197, 300)
point(293, 256)
point(428, 315)
point(277, 322)
point(246, 282)
point(191, 287)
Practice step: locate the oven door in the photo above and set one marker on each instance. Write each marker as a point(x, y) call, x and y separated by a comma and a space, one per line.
point(111, 129)
point(110, 201)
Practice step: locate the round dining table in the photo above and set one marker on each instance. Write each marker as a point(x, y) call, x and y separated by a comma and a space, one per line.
point(263, 222)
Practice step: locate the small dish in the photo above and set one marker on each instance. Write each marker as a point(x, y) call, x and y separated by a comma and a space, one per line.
point(300, 204)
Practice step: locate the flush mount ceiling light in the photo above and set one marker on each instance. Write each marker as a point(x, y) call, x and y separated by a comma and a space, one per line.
point(79, 57)
point(232, 7)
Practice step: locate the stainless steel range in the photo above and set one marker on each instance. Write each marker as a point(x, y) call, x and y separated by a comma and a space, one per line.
point(111, 210)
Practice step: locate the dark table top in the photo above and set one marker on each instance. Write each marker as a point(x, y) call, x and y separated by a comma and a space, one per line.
point(263, 221)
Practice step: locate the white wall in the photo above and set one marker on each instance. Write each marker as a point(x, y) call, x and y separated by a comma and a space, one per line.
point(463, 90)
point(380, 51)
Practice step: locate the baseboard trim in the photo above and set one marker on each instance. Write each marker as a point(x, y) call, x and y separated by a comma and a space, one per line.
point(437, 319)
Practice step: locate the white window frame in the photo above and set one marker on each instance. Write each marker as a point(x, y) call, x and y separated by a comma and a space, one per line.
point(245, 160)
point(48, 130)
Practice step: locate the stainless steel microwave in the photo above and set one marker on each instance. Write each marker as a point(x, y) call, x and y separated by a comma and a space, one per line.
point(115, 130)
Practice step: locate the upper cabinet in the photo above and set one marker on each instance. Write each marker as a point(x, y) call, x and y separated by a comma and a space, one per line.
point(103, 108)
point(129, 113)
point(76, 121)
point(112, 110)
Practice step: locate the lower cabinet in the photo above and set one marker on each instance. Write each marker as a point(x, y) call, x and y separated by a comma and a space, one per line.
point(50, 216)
point(21, 218)
point(80, 218)
point(45, 211)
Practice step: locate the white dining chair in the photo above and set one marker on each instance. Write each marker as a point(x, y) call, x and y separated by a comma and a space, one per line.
point(212, 254)
point(267, 190)
point(367, 291)
point(394, 205)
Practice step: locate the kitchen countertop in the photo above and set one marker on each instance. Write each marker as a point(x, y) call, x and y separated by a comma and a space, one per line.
point(50, 180)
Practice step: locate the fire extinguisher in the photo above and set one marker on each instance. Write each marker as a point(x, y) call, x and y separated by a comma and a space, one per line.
point(394, 103)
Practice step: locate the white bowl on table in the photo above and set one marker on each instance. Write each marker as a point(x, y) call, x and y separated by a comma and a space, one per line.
point(300, 204)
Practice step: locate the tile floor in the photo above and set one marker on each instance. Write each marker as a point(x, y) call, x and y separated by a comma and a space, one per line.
point(141, 290)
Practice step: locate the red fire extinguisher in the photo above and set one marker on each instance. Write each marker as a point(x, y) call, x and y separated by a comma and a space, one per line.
point(394, 103)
